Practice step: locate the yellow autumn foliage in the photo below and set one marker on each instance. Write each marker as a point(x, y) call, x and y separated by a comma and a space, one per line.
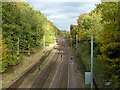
point(79, 34)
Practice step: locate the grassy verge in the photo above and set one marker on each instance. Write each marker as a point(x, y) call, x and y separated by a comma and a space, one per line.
point(98, 66)
point(35, 72)
point(17, 70)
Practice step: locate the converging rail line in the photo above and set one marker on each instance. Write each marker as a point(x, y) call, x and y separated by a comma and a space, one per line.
point(20, 79)
point(55, 74)
point(44, 76)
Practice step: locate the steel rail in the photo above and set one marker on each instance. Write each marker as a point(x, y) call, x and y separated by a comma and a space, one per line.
point(20, 79)
point(43, 73)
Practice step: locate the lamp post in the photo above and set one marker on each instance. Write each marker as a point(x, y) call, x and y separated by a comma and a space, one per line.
point(91, 62)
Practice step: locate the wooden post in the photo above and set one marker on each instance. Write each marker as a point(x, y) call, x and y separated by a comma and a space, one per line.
point(18, 49)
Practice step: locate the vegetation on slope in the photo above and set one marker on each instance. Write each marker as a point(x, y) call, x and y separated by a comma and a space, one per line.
point(104, 24)
point(19, 20)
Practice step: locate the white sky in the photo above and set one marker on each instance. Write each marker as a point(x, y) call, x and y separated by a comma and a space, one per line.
point(61, 0)
point(63, 13)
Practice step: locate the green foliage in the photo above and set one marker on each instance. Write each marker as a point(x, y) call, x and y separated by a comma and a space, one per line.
point(3, 63)
point(110, 40)
point(104, 24)
point(19, 20)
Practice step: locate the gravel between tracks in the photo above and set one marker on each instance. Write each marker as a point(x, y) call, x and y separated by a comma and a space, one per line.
point(60, 72)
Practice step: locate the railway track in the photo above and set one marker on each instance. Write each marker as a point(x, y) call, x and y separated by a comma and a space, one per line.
point(55, 74)
point(44, 79)
point(51, 77)
point(60, 79)
point(20, 79)
point(63, 78)
point(44, 75)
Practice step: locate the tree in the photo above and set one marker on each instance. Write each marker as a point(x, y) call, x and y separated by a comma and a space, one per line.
point(21, 21)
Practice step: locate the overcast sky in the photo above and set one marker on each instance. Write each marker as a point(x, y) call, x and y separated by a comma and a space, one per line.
point(63, 13)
